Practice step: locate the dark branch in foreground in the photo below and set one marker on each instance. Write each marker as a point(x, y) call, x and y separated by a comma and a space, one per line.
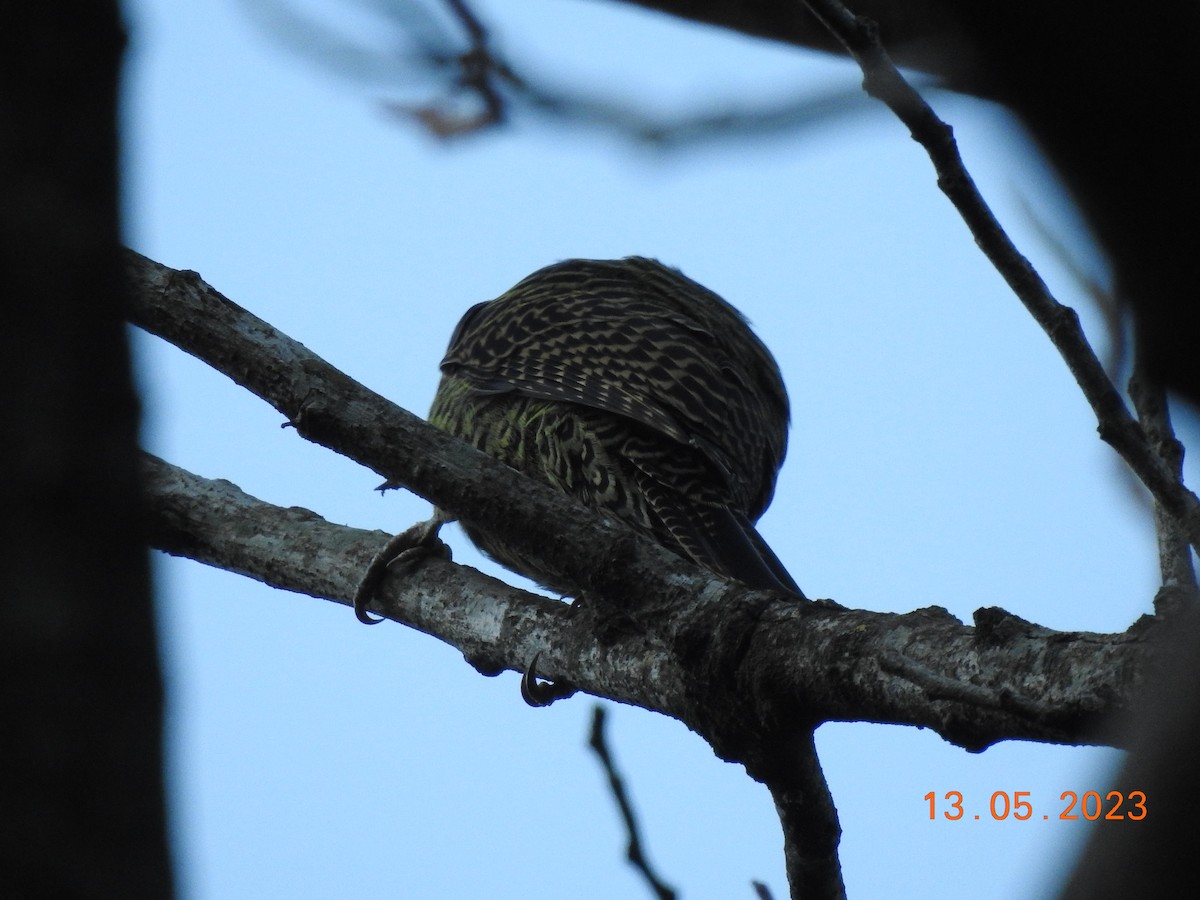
point(598, 741)
point(476, 86)
point(1117, 427)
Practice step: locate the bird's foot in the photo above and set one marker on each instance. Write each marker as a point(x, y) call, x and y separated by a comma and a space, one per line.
point(542, 693)
point(405, 552)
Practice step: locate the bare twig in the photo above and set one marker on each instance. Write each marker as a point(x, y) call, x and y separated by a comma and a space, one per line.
point(1154, 414)
point(1116, 426)
point(470, 22)
point(688, 129)
point(1103, 300)
point(482, 88)
point(479, 69)
point(598, 741)
point(826, 659)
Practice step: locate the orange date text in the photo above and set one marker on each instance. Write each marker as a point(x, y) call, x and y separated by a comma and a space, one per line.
point(1071, 806)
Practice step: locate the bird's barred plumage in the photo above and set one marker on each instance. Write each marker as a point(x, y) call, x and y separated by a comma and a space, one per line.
point(639, 392)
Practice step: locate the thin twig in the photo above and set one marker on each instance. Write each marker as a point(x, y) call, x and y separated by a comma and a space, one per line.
point(689, 129)
point(481, 88)
point(477, 71)
point(1117, 427)
point(479, 64)
point(634, 853)
point(496, 82)
point(1154, 414)
point(1103, 300)
point(470, 22)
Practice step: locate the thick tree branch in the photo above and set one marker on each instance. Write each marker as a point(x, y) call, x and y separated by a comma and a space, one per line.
point(496, 626)
point(1004, 679)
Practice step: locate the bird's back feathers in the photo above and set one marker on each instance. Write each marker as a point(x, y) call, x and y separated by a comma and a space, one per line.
point(638, 391)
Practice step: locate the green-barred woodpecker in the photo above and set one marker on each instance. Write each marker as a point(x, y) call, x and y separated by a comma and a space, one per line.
point(635, 390)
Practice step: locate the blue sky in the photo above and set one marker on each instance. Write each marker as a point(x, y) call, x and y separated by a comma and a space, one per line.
point(940, 455)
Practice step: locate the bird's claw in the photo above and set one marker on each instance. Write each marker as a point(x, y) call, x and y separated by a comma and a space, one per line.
point(543, 693)
point(302, 409)
point(407, 550)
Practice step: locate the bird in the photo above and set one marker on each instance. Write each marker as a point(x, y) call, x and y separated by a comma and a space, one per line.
point(635, 390)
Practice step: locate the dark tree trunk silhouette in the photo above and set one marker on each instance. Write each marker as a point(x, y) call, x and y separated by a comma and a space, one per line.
point(81, 785)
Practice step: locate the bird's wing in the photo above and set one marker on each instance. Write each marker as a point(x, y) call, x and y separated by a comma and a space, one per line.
point(717, 537)
point(619, 354)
